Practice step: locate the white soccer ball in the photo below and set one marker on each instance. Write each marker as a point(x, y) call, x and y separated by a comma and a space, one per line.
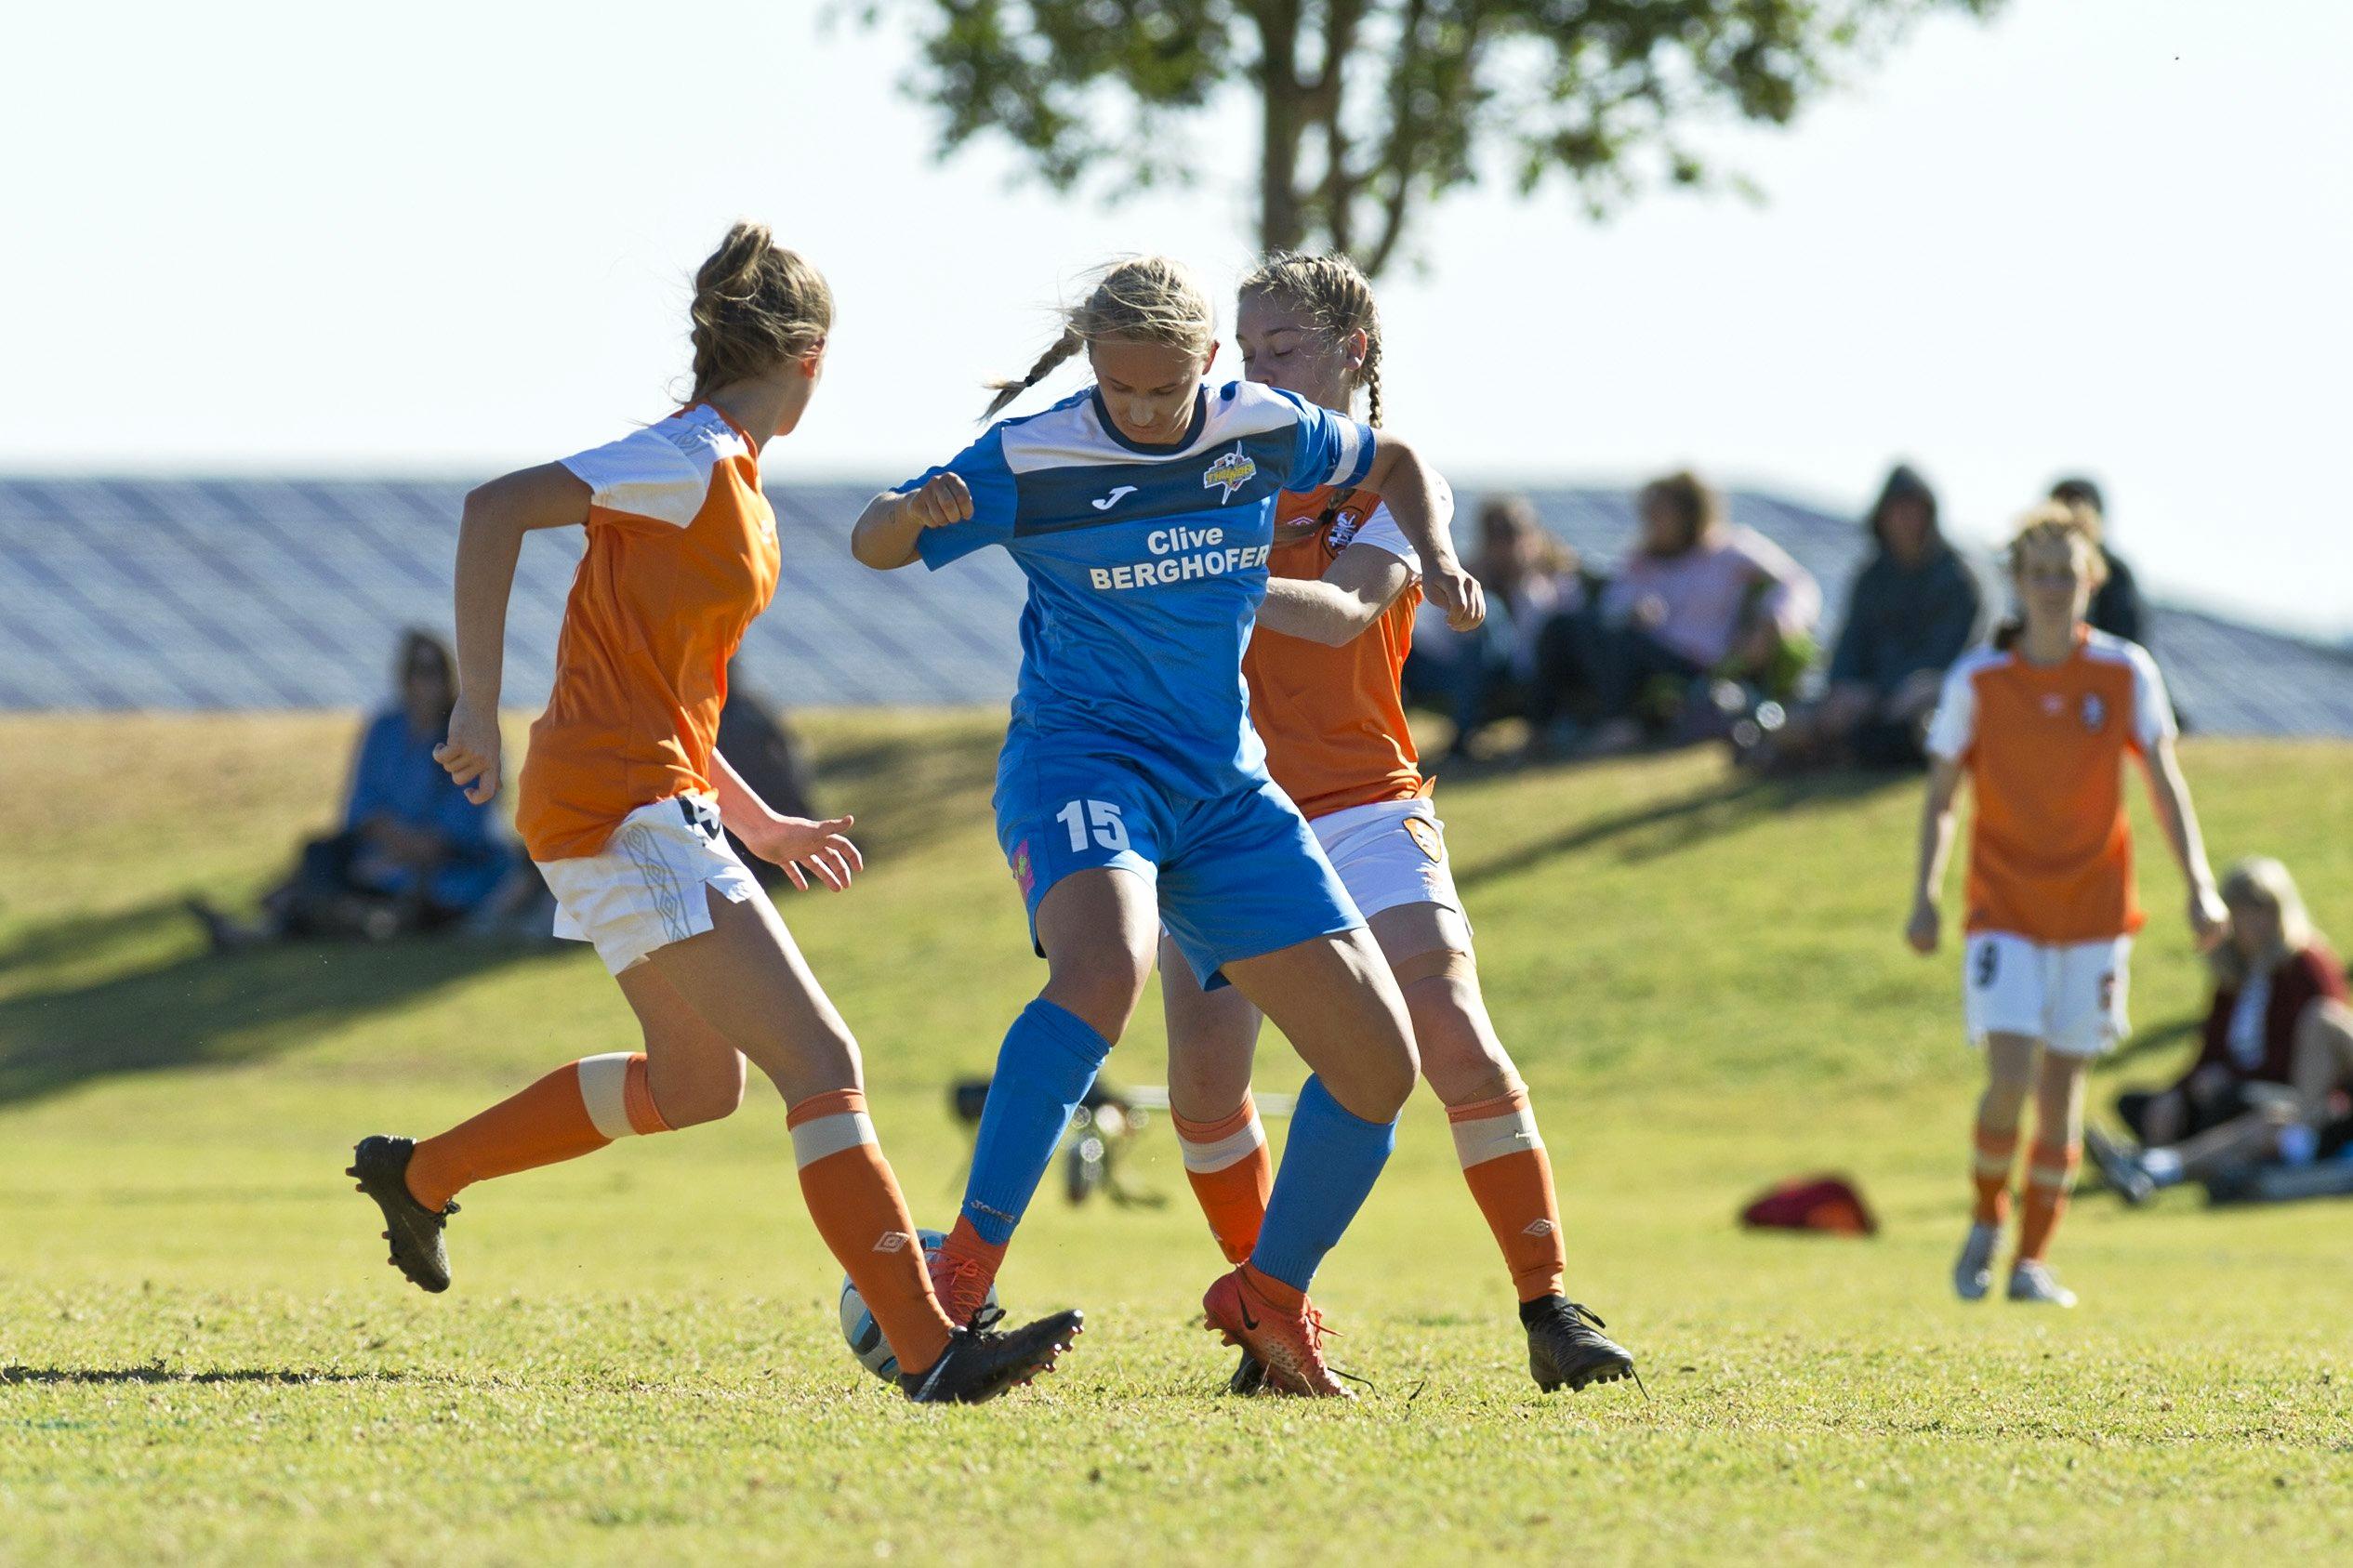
point(865, 1335)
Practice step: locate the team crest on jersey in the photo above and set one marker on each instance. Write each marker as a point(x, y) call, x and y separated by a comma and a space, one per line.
point(1345, 528)
point(1230, 473)
point(2094, 711)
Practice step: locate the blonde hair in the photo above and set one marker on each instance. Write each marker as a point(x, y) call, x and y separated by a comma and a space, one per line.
point(2261, 879)
point(1142, 299)
point(1334, 296)
point(2063, 522)
point(756, 306)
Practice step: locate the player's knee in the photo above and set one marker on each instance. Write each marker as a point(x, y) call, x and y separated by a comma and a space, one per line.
point(1103, 991)
point(1459, 1052)
point(711, 1097)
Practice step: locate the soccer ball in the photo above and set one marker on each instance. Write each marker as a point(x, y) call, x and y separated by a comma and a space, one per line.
point(865, 1335)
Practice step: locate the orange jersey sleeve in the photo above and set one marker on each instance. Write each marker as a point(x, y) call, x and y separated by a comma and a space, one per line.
point(2050, 851)
point(681, 556)
point(1331, 717)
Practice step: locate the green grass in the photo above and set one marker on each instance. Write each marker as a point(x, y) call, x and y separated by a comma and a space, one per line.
point(202, 1355)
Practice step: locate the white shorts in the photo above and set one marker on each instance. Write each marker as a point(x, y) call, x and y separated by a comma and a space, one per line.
point(1389, 854)
point(645, 888)
point(2070, 996)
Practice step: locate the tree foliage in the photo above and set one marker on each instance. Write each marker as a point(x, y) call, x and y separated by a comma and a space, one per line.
point(1369, 111)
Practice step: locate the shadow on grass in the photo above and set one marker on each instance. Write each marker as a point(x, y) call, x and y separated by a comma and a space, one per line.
point(910, 791)
point(199, 1009)
point(1662, 828)
point(157, 1373)
point(2149, 1042)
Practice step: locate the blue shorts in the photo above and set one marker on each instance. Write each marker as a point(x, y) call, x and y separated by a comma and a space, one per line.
point(1237, 874)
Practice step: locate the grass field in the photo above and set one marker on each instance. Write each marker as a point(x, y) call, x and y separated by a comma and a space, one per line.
point(202, 1355)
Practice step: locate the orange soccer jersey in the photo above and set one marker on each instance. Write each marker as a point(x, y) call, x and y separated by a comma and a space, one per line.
point(681, 556)
point(1334, 727)
point(2050, 854)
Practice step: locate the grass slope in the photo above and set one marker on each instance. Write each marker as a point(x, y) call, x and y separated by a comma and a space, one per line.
point(201, 1353)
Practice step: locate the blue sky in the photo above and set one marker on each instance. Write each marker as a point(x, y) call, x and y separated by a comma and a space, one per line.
point(2111, 235)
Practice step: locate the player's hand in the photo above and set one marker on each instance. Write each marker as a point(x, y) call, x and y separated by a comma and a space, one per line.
point(796, 842)
point(944, 500)
point(1925, 927)
point(2209, 919)
point(1457, 593)
point(471, 752)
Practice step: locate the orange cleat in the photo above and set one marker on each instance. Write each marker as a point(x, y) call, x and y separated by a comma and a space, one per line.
point(1289, 1345)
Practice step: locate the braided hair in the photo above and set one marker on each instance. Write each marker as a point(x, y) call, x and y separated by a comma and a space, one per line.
point(1142, 300)
point(1331, 294)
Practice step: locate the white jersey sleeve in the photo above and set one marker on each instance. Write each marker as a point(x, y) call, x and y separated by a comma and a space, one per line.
point(660, 474)
point(1382, 532)
point(2152, 704)
point(1953, 729)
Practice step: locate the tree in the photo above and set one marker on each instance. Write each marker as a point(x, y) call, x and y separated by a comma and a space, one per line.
point(1369, 110)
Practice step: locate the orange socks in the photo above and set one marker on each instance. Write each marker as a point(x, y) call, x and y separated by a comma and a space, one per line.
point(2049, 1178)
point(1990, 1172)
point(573, 1111)
point(855, 1201)
point(1227, 1164)
point(1503, 1160)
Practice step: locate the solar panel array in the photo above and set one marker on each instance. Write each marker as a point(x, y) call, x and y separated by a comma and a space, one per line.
point(288, 593)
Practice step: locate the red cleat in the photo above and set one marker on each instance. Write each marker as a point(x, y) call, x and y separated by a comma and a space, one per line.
point(1289, 1345)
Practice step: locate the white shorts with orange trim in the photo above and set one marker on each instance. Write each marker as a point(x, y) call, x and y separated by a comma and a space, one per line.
point(1388, 854)
point(645, 888)
point(2070, 996)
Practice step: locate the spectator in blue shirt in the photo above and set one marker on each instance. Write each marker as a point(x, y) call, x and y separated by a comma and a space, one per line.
point(412, 852)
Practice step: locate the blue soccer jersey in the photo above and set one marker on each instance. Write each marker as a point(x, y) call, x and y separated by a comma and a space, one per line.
point(1147, 565)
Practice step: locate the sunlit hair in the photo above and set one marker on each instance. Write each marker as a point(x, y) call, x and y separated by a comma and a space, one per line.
point(1689, 502)
point(757, 305)
point(2259, 880)
point(1334, 298)
point(2068, 523)
point(1142, 300)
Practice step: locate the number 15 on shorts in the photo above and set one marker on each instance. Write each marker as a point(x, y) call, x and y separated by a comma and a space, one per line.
point(1099, 817)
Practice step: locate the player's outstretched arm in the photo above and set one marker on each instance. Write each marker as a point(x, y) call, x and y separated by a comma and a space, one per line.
point(886, 531)
point(790, 842)
point(1355, 591)
point(490, 536)
point(1936, 848)
point(1423, 506)
point(2169, 792)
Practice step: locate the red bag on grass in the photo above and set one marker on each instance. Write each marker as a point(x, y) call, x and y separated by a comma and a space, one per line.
point(1828, 1203)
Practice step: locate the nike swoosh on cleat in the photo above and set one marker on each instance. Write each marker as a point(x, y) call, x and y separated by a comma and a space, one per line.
point(1248, 1322)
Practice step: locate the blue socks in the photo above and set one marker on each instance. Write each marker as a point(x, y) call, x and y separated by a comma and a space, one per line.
point(1329, 1164)
point(1044, 1069)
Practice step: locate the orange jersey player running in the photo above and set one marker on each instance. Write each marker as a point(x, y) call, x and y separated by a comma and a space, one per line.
point(622, 800)
point(2042, 721)
point(1323, 672)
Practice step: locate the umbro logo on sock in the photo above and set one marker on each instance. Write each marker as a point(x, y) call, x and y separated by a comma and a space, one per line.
point(894, 1241)
point(1540, 1228)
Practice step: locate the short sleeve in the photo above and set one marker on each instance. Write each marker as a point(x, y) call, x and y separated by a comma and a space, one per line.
point(1953, 730)
point(2152, 704)
point(1327, 448)
point(642, 481)
point(1382, 532)
point(995, 501)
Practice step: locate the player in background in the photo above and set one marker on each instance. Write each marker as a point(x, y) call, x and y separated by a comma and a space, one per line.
point(1131, 791)
point(621, 802)
point(1323, 670)
point(2041, 720)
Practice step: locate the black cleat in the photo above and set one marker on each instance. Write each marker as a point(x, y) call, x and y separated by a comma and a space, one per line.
point(1565, 1346)
point(2119, 1167)
point(380, 1165)
point(1250, 1375)
point(981, 1362)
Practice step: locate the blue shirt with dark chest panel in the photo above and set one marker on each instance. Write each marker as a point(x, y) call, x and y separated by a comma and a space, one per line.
point(1147, 565)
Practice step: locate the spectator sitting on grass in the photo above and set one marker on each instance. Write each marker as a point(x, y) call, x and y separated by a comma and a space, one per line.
point(1532, 582)
point(1915, 608)
point(1698, 599)
point(412, 853)
point(2270, 1080)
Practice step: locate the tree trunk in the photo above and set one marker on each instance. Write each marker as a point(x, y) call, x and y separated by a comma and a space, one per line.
point(1280, 222)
